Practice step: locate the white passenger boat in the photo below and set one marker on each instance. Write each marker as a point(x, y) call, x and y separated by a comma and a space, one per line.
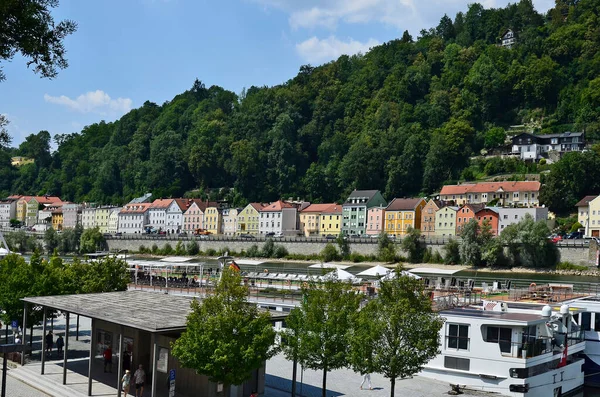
point(512, 352)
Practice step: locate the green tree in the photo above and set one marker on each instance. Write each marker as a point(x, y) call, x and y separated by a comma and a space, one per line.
point(343, 245)
point(470, 250)
point(192, 248)
point(51, 240)
point(412, 245)
point(494, 137)
point(452, 252)
point(5, 138)
point(91, 241)
point(321, 325)
point(107, 274)
point(397, 333)
point(386, 249)
point(226, 338)
point(329, 253)
point(29, 29)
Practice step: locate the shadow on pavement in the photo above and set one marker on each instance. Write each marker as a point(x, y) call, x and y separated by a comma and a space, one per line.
point(279, 383)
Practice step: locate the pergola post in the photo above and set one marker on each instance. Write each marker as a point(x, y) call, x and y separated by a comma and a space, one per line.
point(67, 315)
point(120, 365)
point(24, 332)
point(44, 341)
point(77, 330)
point(92, 354)
point(154, 362)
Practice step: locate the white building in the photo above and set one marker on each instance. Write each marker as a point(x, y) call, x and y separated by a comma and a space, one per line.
point(508, 216)
point(499, 194)
point(133, 218)
point(71, 215)
point(113, 220)
point(88, 218)
point(278, 217)
point(174, 215)
point(8, 209)
point(512, 352)
point(157, 214)
point(230, 221)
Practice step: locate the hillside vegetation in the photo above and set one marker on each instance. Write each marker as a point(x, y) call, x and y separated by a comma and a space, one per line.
point(403, 118)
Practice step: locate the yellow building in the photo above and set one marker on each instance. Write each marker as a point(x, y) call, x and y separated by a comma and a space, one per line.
point(331, 220)
point(18, 161)
point(57, 219)
point(213, 219)
point(247, 222)
point(310, 219)
point(401, 214)
point(102, 218)
point(22, 209)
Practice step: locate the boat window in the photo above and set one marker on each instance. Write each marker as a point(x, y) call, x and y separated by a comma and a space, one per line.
point(597, 322)
point(502, 336)
point(458, 337)
point(457, 363)
point(585, 321)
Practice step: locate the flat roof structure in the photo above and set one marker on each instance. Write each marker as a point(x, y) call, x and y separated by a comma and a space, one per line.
point(154, 312)
point(526, 318)
point(432, 270)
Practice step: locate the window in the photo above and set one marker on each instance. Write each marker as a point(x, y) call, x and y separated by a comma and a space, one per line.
point(505, 216)
point(457, 363)
point(500, 335)
point(458, 337)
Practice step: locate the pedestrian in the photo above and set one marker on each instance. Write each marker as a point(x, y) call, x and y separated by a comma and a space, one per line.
point(107, 359)
point(139, 377)
point(18, 339)
point(126, 381)
point(126, 360)
point(60, 343)
point(49, 343)
point(366, 378)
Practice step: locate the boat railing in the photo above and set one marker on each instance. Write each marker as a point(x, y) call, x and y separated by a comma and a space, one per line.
point(449, 300)
point(539, 346)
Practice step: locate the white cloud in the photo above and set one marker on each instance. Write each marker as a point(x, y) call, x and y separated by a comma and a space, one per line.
point(315, 50)
point(92, 102)
point(413, 15)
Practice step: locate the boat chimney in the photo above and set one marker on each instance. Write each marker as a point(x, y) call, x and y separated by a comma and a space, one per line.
point(564, 309)
point(546, 311)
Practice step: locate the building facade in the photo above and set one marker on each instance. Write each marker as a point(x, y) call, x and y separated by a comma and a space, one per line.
point(310, 219)
point(331, 220)
point(193, 217)
point(88, 218)
point(375, 221)
point(102, 217)
point(428, 221)
point(445, 221)
point(583, 213)
point(213, 219)
point(508, 216)
point(72, 214)
point(278, 217)
point(174, 215)
point(249, 219)
point(230, 221)
point(500, 194)
point(464, 214)
point(491, 216)
point(403, 214)
point(113, 220)
point(157, 215)
point(133, 218)
point(535, 147)
point(354, 210)
point(8, 211)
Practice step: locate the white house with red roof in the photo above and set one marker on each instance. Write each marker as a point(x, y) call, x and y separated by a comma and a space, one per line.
point(505, 194)
point(278, 217)
point(157, 214)
point(133, 217)
point(174, 215)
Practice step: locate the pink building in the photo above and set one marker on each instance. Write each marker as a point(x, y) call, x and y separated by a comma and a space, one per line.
point(375, 219)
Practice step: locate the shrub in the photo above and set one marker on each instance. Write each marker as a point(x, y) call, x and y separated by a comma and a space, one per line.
point(452, 252)
point(329, 253)
point(280, 251)
point(570, 266)
point(192, 248)
point(268, 248)
point(357, 258)
point(253, 251)
point(386, 249)
point(167, 249)
point(211, 252)
point(155, 249)
point(179, 248)
point(412, 245)
point(142, 249)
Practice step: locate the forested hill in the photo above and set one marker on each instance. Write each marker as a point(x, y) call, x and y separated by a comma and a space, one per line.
point(403, 118)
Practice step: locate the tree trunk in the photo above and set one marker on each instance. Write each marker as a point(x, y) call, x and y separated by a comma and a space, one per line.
point(324, 391)
point(294, 371)
point(392, 386)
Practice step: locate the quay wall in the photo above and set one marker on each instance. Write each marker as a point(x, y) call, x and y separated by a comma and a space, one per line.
point(577, 253)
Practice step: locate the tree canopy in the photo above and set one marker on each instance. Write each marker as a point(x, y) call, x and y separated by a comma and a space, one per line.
point(403, 118)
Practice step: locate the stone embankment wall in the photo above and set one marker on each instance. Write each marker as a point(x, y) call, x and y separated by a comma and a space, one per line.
point(578, 254)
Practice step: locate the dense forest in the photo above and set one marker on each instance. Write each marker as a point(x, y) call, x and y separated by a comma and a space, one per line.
point(403, 118)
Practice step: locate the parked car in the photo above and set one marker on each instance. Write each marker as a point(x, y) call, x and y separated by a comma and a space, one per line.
point(330, 237)
point(557, 239)
point(269, 234)
point(574, 236)
point(118, 234)
point(278, 235)
point(247, 236)
point(182, 234)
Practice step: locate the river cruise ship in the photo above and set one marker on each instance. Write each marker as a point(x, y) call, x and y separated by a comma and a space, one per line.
point(512, 352)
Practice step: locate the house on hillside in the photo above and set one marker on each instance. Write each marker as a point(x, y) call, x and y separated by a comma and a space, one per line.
point(402, 214)
point(501, 194)
point(354, 210)
point(508, 39)
point(535, 147)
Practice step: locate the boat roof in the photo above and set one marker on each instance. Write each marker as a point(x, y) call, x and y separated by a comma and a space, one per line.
point(432, 270)
point(510, 317)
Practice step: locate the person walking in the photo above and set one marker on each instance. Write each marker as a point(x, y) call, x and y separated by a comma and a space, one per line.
point(126, 381)
point(366, 378)
point(49, 343)
point(60, 343)
point(107, 359)
point(139, 377)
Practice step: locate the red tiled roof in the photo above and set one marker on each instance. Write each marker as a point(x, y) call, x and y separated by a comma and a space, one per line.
point(183, 204)
point(257, 206)
point(333, 209)
point(136, 208)
point(318, 207)
point(161, 203)
point(276, 206)
point(585, 201)
point(398, 204)
point(485, 187)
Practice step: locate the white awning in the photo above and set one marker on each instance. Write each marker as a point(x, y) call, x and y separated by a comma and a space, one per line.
point(248, 262)
point(339, 274)
point(329, 266)
point(375, 271)
point(176, 259)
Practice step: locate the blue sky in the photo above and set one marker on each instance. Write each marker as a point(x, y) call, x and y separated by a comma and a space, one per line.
point(128, 51)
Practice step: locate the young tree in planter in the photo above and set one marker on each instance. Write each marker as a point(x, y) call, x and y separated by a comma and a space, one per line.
point(396, 333)
point(226, 337)
point(320, 326)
